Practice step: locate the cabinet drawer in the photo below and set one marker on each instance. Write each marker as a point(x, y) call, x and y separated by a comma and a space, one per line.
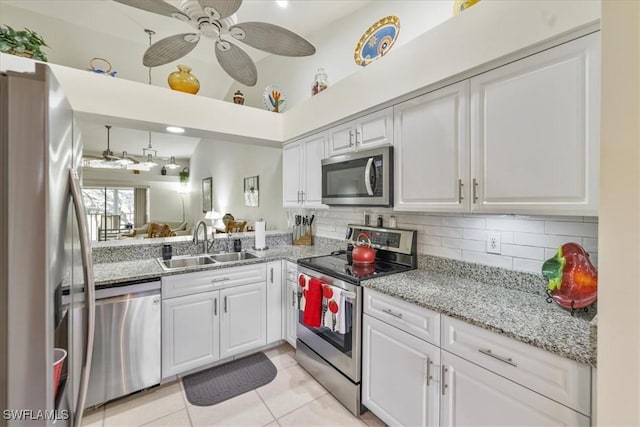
point(563, 380)
point(292, 271)
point(203, 281)
point(418, 321)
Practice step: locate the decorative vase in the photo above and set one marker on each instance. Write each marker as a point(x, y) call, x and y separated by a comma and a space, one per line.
point(320, 82)
point(183, 81)
point(163, 171)
point(238, 98)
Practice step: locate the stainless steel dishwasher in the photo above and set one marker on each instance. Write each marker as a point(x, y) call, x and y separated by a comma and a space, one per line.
point(126, 352)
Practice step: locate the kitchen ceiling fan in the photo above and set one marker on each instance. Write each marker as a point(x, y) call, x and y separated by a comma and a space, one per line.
point(215, 19)
point(108, 159)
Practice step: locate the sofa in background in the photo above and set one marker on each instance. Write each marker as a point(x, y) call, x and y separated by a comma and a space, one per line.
point(178, 227)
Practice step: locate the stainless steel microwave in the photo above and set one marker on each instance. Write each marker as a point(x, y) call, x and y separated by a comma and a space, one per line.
point(360, 178)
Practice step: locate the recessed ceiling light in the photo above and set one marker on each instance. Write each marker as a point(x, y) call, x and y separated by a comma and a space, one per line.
point(174, 129)
point(282, 3)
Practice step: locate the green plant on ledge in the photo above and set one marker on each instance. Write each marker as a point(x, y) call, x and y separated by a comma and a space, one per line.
point(22, 43)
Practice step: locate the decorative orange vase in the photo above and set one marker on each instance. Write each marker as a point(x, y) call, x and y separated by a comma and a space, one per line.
point(183, 80)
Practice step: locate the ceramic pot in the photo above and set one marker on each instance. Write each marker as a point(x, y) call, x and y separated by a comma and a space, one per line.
point(183, 81)
point(238, 98)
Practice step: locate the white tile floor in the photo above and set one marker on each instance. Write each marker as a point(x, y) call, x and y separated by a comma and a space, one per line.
point(293, 398)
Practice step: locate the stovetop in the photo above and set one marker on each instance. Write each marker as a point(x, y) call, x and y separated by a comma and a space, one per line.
point(338, 265)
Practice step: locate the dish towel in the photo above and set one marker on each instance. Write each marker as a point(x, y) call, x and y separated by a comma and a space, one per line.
point(303, 282)
point(312, 315)
point(331, 306)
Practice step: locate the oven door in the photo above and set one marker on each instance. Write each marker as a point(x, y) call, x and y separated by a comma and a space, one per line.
point(360, 178)
point(342, 351)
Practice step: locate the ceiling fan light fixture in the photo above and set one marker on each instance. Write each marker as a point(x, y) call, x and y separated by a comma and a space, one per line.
point(125, 160)
point(149, 161)
point(172, 164)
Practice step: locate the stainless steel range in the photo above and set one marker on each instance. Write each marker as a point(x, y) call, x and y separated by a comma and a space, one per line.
point(332, 355)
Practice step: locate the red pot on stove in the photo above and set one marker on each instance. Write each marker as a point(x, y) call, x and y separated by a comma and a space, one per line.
point(363, 253)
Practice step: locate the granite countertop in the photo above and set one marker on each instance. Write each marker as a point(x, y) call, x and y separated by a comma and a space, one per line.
point(524, 316)
point(110, 273)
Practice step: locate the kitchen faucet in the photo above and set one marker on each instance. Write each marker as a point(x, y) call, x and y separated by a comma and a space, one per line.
point(205, 243)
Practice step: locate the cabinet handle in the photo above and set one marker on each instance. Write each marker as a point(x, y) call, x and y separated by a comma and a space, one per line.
point(475, 190)
point(507, 360)
point(302, 196)
point(351, 138)
point(388, 311)
point(215, 306)
point(293, 298)
point(298, 196)
point(428, 364)
point(358, 133)
point(443, 379)
point(460, 186)
point(225, 304)
point(272, 275)
point(221, 279)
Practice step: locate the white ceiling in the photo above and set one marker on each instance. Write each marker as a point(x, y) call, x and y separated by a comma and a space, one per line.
point(79, 29)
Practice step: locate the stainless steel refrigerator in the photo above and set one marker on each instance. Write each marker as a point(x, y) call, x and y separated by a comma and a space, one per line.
point(46, 276)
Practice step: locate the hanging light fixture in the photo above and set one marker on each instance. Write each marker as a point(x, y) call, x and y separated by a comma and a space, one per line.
point(172, 164)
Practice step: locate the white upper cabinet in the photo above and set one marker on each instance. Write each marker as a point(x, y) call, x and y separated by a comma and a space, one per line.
point(535, 127)
point(302, 171)
point(370, 131)
point(431, 142)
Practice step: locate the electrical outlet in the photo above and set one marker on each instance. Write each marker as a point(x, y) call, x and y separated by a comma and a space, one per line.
point(493, 242)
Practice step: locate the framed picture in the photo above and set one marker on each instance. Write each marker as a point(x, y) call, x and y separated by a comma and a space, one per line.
point(207, 194)
point(251, 191)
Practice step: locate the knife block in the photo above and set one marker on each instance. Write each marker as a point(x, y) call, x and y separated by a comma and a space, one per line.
point(305, 239)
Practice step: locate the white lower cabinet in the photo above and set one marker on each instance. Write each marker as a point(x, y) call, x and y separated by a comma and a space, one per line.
point(474, 396)
point(243, 323)
point(400, 381)
point(291, 313)
point(200, 328)
point(190, 332)
point(274, 301)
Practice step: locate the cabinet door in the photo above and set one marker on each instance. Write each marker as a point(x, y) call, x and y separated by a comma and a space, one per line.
point(190, 336)
point(291, 313)
point(314, 152)
point(399, 375)
point(474, 396)
point(274, 301)
point(342, 139)
point(432, 151)
point(243, 323)
point(291, 174)
point(535, 132)
point(375, 129)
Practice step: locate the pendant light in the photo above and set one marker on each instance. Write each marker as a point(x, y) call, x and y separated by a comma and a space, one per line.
point(172, 164)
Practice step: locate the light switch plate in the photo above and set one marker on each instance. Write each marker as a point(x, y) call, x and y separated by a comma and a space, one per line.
point(493, 242)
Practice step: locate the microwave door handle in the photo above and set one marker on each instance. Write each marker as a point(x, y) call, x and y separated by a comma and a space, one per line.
point(367, 174)
point(89, 287)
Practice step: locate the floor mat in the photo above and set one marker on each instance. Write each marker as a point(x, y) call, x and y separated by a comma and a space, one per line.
point(223, 382)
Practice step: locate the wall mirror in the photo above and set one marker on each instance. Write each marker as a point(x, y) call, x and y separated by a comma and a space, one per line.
point(251, 191)
point(207, 195)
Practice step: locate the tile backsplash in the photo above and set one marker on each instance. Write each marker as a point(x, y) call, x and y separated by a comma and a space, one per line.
point(526, 241)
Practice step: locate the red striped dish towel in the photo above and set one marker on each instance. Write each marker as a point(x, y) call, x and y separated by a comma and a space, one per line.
point(313, 305)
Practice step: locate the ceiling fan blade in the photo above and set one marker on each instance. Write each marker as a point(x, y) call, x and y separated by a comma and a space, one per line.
point(169, 49)
point(236, 63)
point(220, 9)
point(272, 38)
point(156, 6)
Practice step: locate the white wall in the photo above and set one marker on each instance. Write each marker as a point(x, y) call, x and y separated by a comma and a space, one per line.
point(619, 275)
point(527, 241)
point(228, 163)
point(335, 47)
point(165, 199)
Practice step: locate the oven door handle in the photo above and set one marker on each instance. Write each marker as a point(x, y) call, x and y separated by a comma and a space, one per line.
point(367, 177)
point(347, 294)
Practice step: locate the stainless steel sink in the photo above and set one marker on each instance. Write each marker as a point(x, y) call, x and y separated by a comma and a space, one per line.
point(233, 256)
point(185, 261)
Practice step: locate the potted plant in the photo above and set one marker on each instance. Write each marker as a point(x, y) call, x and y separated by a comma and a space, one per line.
point(22, 43)
point(184, 176)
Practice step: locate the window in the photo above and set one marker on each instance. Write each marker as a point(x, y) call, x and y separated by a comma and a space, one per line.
point(110, 211)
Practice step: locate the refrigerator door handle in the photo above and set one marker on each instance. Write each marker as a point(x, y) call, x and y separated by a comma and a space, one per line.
point(89, 286)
